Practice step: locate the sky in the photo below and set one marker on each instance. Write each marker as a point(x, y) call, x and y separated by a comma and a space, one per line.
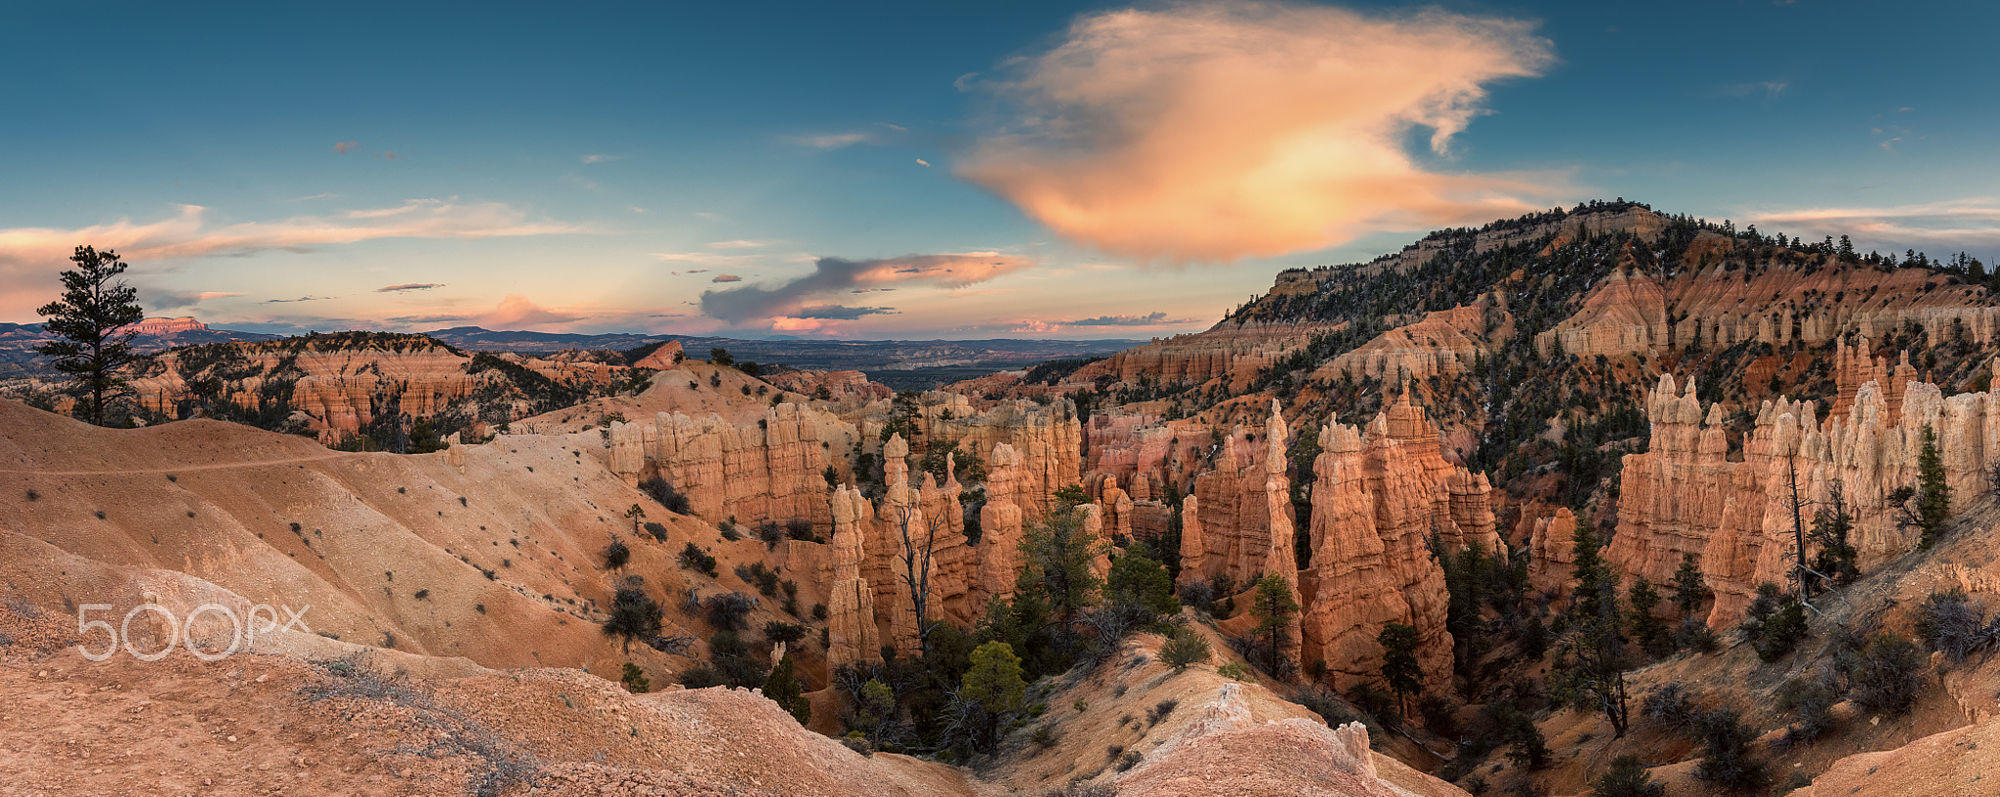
point(939, 169)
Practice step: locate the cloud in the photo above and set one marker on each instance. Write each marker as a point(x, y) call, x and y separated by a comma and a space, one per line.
point(1154, 318)
point(706, 258)
point(1211, 132)
point(726, 278)
point(157, 300)
point(600, 158)
point(409, 286)
point(1954, 224)
point(740, 243)
point(924, 163)
point(838, 312)
point(833, 140)
point(515, 311)
point(29, 256)
point(1769, 90)
point(300, 299)
point(831, 275)
point(344, 147)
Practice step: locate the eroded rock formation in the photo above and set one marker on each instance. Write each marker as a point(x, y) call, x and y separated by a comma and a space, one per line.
point(1684, 495)
point(773, 470)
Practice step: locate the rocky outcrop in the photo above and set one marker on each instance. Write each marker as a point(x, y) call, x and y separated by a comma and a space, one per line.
point(338, 385)
point(1551, 550)
point(1243, 510)
point(1854, 366)
point(852, 635)
point(662, 358)
point(1001, 526)
point(1685, 496)
point(772, 470)
point(1373, 505)
point(1443, 342)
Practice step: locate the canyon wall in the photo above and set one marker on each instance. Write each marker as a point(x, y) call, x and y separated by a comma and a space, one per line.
point(1684, 495)
point(771, 470)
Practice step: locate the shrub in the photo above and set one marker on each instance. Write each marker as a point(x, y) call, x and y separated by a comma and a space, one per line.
point(1198, 595)
point(770, 533)
point(658, 531)
point(726, 611)
point(700, 676)
point(1810, 698)
point(1160, 711)
point(1671, 706)
point(1774, 623)
point(1627, 777)
point(633, 614)
point(780, 631)
point(800, 529)
point(665, 495)
point(732, 660)
point(1234, 670)
point(1185, 648)
point(1726, 760)
point(1886, 679)
point(1694, 634)
point(1949, 624)
point(698, 560)
point(616, 555)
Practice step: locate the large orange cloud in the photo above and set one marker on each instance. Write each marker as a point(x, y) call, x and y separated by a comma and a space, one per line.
point(1210, 132)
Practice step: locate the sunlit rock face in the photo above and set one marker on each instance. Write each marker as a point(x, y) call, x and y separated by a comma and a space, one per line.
point(1685, 495)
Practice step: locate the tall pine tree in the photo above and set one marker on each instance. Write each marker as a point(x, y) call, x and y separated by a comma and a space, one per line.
point(89, 323)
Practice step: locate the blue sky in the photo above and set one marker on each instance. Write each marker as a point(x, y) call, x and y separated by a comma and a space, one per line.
point(591, 167)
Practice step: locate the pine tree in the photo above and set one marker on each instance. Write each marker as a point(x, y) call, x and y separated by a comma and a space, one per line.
point(89, 321)
point(1399, 662)
point(635, 679)
point(1832, 525)
point(1589, 570)
point(784, 689)
point(1933, 494)
point(1648, 630)
point(1689, 591)
point(1273, 607)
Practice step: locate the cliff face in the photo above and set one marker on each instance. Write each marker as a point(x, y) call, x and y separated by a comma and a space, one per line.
point(336, 386)
point(1686, 496)
point(771, 470)
point(1048, 440)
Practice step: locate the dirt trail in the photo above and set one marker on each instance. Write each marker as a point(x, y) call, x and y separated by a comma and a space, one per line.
point(263, 463)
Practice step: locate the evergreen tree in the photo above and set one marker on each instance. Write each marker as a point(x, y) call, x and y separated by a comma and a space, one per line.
point(784, 689)
point(1648, 630)
point(1689, 591)
point(1589, 570)
point(1592, 657)
point(1399, 662)
point(1273, 607)
point(89, 323)
point(1832, 526)
point(1933, 494)
point(635, 679)
point(1141, 584)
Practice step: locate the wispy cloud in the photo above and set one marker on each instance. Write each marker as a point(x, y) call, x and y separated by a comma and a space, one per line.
point(833, 140)
point(833, 275)
point(344, 147)
point(706, 258)
point(924, 163)
point(300, 299)
point(1211, 132)
point(1948, 224)
point(726, 278)
point(601, 158)
point(30, 254)
point(1767, 90)
point(1151, 319)
point(409, 286)
point(739, 243)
